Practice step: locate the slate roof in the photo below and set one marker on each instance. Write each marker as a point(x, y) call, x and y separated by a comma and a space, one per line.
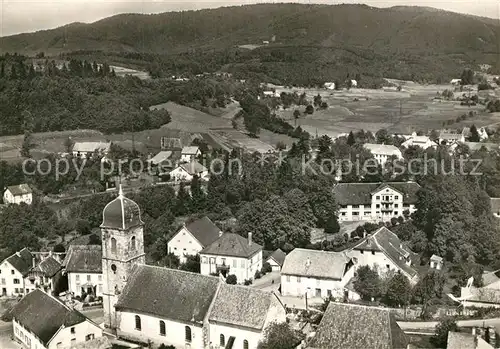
point(383, 149)
point(314, 263)
point(43, 315)
point(232, 245)
point(278, 256)
point(22, 261)
point(21, 189)
point(204, 230)
point(349, 326)
point(49, 267)
point(121, 213)
point(241, 306)
point(495, 205)
point(83, 259)
point(361, 193)
point(171, 294)
point(193, 167)
point(460, 340)
point(386, 241)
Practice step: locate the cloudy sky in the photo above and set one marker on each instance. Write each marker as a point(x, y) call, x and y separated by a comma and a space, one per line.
point(17, 16)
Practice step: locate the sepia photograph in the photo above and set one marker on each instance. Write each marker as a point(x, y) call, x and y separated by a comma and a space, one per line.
point(249, 174)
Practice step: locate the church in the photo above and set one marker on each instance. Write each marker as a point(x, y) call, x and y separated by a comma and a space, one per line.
point(150, 304)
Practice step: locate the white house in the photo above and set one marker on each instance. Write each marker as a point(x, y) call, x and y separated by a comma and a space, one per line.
point(276, 259)
point(193, 237)
point(44, 275)
point(319, 274)
point(456, 82)
point(447, 137)
point(17, 194)
point(83, 265)
point(329, 85)
point(423, 142)
point(383, 251)
point(185, 172)
point(41, 321)
point(199, 312)
point(382, 152)
point(353, 326)
point(232, 254)
point(13, 270)
point(436, 262)
point(189, 154)
point(87, 149)
point(375, 201)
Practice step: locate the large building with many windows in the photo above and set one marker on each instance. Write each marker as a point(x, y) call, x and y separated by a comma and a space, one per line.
point(375, 202)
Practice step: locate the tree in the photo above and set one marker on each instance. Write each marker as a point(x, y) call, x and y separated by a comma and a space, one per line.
point(351, 140)
point(367, 283)
point(27, 144)
point(182, 201)
point(68, 144)
point(317, 100)
point(332, 225)
point(427, 289)
point(280, 336)
point(444, 326)
point(474, 134)
point(467, 77)
point(2, 70)
point(192, 264)
point(231, 279)
point(309, 109)
point(252, 126)
point(398, 291)
point(83, 227)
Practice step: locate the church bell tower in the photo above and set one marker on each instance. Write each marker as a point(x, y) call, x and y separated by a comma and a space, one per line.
point(122, 248)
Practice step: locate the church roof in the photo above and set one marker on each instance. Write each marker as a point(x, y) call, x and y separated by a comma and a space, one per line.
point(121, 213)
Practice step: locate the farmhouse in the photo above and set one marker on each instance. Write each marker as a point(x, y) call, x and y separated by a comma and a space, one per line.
point(436, 262)
point(317, 274)
point(18, 194)
point(83, 265)
point(87, 149)
point(358, 327)
point(186, 172)
point(383, 152)
point(41, 321)
point(45, 275)
point(276, 260)
point(232, 254)
point(384, 251)
point(193, 237)
point(13, 270)
point(447, 137)
point(419, 141)
point(375, 201)
point(189, 154)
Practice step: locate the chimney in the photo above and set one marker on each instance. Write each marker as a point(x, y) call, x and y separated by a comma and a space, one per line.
point(249, 239)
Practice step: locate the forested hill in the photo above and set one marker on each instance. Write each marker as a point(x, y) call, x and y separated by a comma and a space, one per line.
point(397, 29)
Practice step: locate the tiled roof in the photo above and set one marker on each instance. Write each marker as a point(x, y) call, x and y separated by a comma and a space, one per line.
point(43, 315)
point(204, 230)
point(278, 256)
point(361, 193)
point(193, 167)
point(383, 149)
point(232, 245)
point(241, 306)
point(49, 267)
point(192, 150)
point(121, 213)
point(20, 189)
point(22, 261)
point(348, 326)
point(460, 340)
point(83, 259)
point(495, 205)
point(314, 263)
point(171, 294)
point(386, 241)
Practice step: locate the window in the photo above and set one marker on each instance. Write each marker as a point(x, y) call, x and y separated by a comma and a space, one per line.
point(298, 279)
point(396, 197)
point(243, 263)
point(355, 206)
point(245, 344)
point(163, 331)
point(138, 323)
point(132, 243)
point(188, 334)
point(288, 278)
point(377, 197)
point(222, 340)
point(355, 213)
point(361, 251)
point(373, 252)
point(377, 206)
point(328, 293)
point(113, 245)
point(89, 337)
point(99, 277)
point(204, 260)
point(88, 278)
point(12, 272)
point(113, 268)
point(388, 266)
point(77, 277)
point(235, 263)
point(72, 330)
point(342, 213)
point(212, 260)
point(16, 281)
point(396, 213)
point(395, 205)
point(32, 281)
point(3, 281)
point(223, 261)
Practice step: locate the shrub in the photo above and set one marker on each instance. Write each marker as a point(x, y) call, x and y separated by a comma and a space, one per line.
point(231, 279)
point(394, 221)
point(309, 109)
point(59, 248)
point(247, 282)
point(266, 268)
point(258, 274)
point(401, 219)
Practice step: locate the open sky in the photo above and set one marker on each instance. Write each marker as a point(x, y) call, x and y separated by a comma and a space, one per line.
point(18, 16)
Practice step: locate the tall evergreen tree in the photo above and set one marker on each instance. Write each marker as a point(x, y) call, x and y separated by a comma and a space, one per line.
point(474, 134)
point(350, 139)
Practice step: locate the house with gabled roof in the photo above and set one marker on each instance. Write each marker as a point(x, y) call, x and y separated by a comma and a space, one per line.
point(276, 259)
point(186, 172)
point(232, 254)
point(375, 202)
point(87, 149)
point(383, 251)
point(13, 271)
point(83, 266)
point(190, 153)
point(17, 194)
point(383, 152)
point(42, 321)
point(44, 275)
point(193, 237)
point(357, 327)
point(319, 274)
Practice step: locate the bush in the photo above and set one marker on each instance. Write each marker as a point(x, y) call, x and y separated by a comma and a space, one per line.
point(394, 221)
point(266, 268)
point(59, 248)
point(231, 280)
point(258, 274)
point(247, 282)
point(309, 109)
point(401, 219)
